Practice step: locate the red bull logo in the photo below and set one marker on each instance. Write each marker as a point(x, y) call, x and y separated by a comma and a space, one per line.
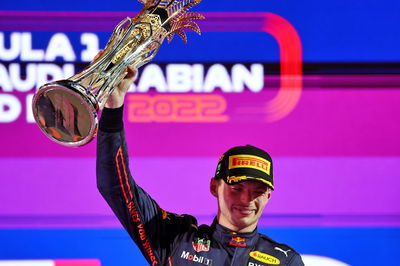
point(238, 242)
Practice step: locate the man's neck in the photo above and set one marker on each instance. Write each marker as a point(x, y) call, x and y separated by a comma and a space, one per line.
point(230, 226)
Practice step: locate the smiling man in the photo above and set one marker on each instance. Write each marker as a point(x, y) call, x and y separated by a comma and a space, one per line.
point(242, 185)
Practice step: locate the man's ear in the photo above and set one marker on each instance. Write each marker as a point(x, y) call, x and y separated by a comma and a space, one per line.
point(214, 187)
point(269, 194)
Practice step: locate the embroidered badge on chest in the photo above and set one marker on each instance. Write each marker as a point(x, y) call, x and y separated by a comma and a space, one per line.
point(201, 244)
point(238, 242)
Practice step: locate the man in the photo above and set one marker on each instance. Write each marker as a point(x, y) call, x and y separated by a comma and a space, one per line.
point(242, 185)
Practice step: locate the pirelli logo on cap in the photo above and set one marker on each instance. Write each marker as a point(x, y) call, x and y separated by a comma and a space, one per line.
point(250, 161)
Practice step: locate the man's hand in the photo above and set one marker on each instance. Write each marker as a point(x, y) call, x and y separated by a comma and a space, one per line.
point(117, 97)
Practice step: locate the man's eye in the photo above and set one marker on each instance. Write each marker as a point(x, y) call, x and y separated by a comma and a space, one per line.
point(237, 188)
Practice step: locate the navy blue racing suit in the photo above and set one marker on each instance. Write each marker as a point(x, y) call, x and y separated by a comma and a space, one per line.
point(166, 238)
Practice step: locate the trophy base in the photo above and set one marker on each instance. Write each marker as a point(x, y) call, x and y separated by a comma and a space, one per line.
point(66, 112)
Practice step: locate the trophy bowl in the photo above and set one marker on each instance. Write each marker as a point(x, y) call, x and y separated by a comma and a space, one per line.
point(66, 110)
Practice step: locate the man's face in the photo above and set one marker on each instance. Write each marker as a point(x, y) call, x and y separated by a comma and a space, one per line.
point(241, 205)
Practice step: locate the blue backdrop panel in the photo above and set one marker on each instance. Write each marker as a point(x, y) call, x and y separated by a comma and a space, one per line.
point(355, 246)
point(331, 31)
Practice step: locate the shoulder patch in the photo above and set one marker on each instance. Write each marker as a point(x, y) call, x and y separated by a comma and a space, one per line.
point(266, 258)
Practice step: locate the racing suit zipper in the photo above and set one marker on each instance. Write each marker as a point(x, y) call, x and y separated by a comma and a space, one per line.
point(234, 257)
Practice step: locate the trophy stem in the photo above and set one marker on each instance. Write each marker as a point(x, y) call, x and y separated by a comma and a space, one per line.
point(104, 74)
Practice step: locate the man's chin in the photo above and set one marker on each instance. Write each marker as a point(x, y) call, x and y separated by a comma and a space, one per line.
point(244, 222)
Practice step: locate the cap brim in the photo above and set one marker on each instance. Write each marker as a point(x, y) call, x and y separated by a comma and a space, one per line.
point(231, 180)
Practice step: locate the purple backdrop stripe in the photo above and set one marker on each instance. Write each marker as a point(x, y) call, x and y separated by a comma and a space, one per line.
point(305, 187)
point(106, 21)
point(326, 122)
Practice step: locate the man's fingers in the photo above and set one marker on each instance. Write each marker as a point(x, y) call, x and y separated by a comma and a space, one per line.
point(131, 73)
point(126, 82)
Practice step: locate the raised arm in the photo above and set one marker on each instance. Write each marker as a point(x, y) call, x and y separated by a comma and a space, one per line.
point(153, 230)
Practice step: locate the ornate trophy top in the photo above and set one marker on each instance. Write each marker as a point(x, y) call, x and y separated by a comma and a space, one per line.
point(173, 14)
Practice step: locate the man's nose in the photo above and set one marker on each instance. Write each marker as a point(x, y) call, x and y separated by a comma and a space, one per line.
point(245, 196)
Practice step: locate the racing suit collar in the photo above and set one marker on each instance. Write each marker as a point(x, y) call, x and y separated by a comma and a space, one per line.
point(234, 239)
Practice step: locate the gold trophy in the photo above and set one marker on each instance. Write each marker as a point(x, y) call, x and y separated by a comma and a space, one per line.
point(66, 110)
